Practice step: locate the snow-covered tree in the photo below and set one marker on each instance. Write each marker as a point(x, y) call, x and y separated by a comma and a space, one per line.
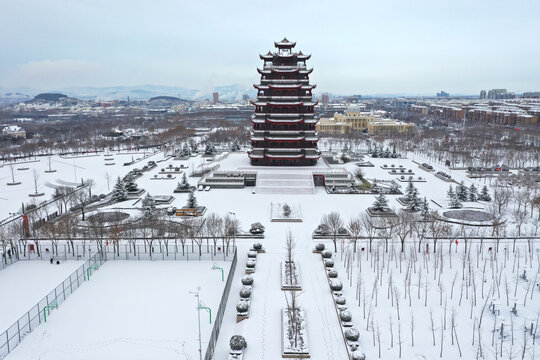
point(286, 210)
point(394, 188)
point(484, 195)
point(130, 184)
point(414, 203)
point(191, 201)
point(193, 146)
point(381, 203)
point(210, 149)
point(473, 193)
point(184, 185)
point(453, 199)
point(119, 191)
point(148, 205)
point(186, 151)
point(425, 208)
point(462, 192)
point(235, 145)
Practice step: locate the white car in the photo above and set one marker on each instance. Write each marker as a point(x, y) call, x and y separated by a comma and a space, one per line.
point(207, 188)
point(200, 188)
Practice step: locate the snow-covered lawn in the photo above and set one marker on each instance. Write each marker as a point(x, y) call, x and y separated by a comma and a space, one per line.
point(131, 310)
point(25, 283)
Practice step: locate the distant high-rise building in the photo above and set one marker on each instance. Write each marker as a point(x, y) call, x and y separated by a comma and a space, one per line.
point(325, 98)
point(499, 94)
point(215, 97)
point(245, 98)
point(443, 94)
point(531, 95)
point(353, 99)
point(482, 94)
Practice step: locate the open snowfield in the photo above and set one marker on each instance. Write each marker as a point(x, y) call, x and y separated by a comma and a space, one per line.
point(136, 293)
point(130, 310)
point(25, 283)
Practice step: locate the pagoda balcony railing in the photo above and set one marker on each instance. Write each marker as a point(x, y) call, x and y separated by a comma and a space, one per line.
point(285, 81)
point(296, 114)
point(300, 145)
point(299, 132)
point(294, 97)
point(284, 67)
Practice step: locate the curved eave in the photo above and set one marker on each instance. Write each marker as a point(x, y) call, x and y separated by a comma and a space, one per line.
point(285, 44)
point(282, 139)
point(270, 156)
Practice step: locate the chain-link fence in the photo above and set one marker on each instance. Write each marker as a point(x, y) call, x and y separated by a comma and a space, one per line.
point(10, 338)
point(221, 311)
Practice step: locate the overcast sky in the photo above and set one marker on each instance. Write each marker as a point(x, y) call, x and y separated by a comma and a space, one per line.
point(357, 47)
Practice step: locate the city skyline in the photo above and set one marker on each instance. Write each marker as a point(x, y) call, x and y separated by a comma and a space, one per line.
point(356, 47)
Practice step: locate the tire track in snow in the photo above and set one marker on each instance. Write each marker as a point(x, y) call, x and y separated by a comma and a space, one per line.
point(263, 344)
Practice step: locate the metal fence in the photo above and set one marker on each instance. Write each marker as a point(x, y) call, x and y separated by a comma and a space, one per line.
point(10, 338)
point(221, 311)
point(156, 251)
point(6, 260)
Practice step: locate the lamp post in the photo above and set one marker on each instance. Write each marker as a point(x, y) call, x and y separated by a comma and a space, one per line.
point(196, 293)
point(234, 229)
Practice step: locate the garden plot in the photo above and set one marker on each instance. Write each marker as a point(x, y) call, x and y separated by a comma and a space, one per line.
point(25, 283)
point(130, 310)
point(445, 304)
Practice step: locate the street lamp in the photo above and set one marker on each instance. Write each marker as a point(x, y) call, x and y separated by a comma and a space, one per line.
point(234, 229)
point(196, 293)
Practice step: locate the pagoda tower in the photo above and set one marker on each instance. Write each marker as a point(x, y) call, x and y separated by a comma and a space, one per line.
point(284, 121)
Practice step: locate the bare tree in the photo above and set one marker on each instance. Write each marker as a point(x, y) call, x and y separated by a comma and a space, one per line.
point(355, 229)
point(334, 224)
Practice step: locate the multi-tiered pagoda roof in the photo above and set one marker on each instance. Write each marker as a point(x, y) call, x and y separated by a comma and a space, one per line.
point(284, 120)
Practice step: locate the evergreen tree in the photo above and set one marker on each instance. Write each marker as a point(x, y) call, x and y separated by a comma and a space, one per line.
point(473, 193)
point(119, 191)
point(410, 190)
point(484, 195)
point(454, 202)
point(381, 203)
point(148, 205)
point(235, 145)
point(130, 184)
point(186, 151)
point(450, 194)
point(425, 208)
point(462, 192)
point(193, 146)
point(210, 149)
point(184, 185)
point(414, 203)
point(191, 201)
point(394, 188)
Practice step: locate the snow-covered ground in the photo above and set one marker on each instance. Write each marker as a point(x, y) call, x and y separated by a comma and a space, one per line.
point(122, 298)
point(130, 310)
point(25, 283)
point(69, 170)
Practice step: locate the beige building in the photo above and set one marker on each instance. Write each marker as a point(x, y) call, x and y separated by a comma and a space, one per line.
point(354, 120)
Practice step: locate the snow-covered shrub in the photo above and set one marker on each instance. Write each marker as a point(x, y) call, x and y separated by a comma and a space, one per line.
point(245, 292)
point(257, 246)
point(242, 306)
point(340, 300)
point(319, 247)
point(326, 254)
point(322, 229)
point(332, 274)
point(252, 254)
point(329, 263)
point(247, 280)
point(352, 334)
point(336, 285)
point(358, 356)
point(250, 263)
point(345, 315)
point(237, 343)
point(256, 228)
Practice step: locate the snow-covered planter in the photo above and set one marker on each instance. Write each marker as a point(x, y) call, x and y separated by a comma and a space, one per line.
point(247, 280)
point(293, 335)
point(257, 247)
point(319, 248)
point(352, 334)
point(358, 356)
point(332, 274)
point(290, 277)
point(286, 212)
point(336, 285)
point(329, 263)
point(327, 254)
point(242, 310)
point(257, 228)
point(245, 292)
point(250, 265)
point(340, 300)
point(346, 317)
point(237, 345)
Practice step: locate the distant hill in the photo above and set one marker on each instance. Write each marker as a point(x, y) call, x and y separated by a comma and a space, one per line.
point(49, 97)
point(167, 99)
